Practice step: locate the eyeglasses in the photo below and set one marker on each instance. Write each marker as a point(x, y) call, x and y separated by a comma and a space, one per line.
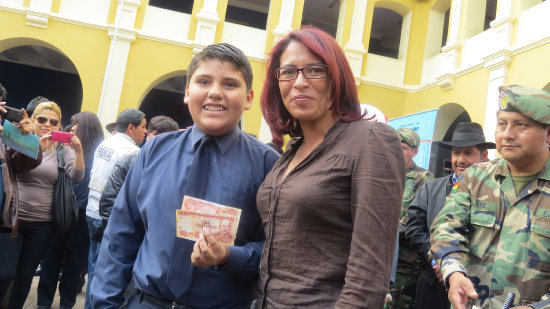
point(313, 71)
point(53, 122)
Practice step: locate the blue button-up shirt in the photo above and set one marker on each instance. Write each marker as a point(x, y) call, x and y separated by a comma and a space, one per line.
point(141, 234)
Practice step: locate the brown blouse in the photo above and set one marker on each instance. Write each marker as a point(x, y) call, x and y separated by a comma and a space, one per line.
point(331, 224)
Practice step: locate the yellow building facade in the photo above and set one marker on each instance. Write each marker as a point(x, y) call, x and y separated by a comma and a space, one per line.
point(446, 54)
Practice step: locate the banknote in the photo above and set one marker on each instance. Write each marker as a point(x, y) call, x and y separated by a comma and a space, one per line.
point(205, 207)
point(196, 214)
point(190, 225)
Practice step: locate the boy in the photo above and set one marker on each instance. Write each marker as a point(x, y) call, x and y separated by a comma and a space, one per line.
point(141, 236)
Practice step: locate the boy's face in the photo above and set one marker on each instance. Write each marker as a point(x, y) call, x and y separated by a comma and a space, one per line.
point(217, 96)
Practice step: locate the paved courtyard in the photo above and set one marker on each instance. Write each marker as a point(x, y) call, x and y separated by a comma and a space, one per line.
point(31, 299)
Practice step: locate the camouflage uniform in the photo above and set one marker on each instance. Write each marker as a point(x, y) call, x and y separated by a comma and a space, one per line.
point(404, 288)
point(500, 239)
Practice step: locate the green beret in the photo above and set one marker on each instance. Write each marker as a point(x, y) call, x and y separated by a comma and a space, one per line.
point(408, 137)
point(532, 103)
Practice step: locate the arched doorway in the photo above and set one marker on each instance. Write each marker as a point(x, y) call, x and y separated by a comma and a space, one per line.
point(32, 68)
point(448, 116)
point(166, 98)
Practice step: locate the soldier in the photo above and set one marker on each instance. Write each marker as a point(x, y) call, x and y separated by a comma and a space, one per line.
point(468, 147)
point(493, 234)
point(404, 288)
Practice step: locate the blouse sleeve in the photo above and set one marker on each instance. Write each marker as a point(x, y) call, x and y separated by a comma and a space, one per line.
point(74, 174)
point(377, 184)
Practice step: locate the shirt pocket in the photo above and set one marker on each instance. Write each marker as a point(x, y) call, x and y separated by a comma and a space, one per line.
point(538, 255)
point(482, 227)
point(250, 219)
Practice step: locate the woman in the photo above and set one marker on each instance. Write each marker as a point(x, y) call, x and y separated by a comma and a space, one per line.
point(36, 192)
point(73, 246)
point(12, 162)
point(330, 205)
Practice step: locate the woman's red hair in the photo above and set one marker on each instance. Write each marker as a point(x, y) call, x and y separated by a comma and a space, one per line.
point(345, 102)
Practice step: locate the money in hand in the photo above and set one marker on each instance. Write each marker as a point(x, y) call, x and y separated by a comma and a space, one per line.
point(196, 215)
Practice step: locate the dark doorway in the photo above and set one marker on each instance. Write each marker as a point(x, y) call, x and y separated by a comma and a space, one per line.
point(440, 157)
point(167, 99)
point(24, 82)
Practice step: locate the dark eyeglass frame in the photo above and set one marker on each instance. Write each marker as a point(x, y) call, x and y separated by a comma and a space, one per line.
point(53, 122)
point(298, 70)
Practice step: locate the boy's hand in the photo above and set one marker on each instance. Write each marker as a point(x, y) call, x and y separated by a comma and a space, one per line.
point(207, 252)
point(460, 289)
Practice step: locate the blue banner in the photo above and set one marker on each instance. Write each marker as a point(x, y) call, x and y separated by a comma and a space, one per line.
point(423, 123)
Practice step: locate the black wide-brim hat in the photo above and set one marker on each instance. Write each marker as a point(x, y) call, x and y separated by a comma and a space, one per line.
point(468, 134)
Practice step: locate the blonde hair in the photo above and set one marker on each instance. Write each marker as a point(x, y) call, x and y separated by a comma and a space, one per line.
point(52, 106)
point(47, 105)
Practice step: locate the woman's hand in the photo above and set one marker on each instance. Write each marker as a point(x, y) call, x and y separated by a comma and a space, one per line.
point(25, 124)
point(45, 141)
point(78, 153)
point(76, 145)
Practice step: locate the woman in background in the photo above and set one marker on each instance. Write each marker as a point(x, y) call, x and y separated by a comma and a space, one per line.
point(36, 194)
point(12, 162)
point(330, 205)
point(73, 246)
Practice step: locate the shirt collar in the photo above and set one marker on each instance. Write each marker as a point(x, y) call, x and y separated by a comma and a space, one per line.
point(503, 170)
point(223, 141)
point(455, 178)
point(123, 135)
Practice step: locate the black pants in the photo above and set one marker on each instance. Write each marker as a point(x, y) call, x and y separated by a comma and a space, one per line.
point(430, 293)
point(19, 258)
point(71, 248)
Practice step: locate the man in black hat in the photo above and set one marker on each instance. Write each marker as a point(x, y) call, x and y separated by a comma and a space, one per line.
point(468, 147)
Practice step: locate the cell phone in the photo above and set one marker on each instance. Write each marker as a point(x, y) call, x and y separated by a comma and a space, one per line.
point(12, 114)
point(62, 137)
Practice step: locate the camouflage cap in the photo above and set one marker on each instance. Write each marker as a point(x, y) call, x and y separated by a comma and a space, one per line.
point(532, 103)
point(408, 137)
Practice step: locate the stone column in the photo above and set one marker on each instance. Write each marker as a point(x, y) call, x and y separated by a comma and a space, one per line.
point(285, 20)
point(497, 63)
point(207, 22)
point(354, 49)
point(452, 50)
point(38, 13)
point(121, 39)
point(504, 24)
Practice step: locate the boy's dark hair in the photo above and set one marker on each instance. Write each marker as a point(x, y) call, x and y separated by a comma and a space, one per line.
point(34, 102)
point(162, 124)
point(3, 93)
point(223, 52)
point(127, 117)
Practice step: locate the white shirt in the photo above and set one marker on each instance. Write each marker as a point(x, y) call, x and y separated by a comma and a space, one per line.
point(107, 154)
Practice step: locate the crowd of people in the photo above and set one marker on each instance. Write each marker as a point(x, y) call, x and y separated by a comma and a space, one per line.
point(343, 218)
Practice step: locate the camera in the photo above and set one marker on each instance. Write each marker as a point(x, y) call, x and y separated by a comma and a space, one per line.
point(12, 114)
point(62, 137)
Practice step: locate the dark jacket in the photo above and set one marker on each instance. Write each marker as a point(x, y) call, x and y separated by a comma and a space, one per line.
point(428, 202)
point(115, 182)
point(13, 162)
